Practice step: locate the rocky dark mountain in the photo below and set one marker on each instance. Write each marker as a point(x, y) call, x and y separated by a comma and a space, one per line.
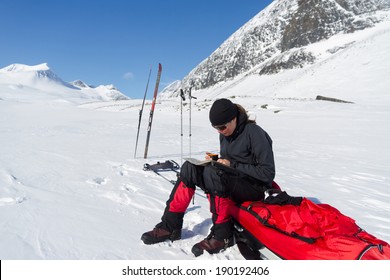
point(277, 38)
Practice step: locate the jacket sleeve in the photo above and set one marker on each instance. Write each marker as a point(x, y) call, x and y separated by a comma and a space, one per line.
point(262, 166)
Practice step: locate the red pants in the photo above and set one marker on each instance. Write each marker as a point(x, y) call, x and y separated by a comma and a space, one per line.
point(221, 189)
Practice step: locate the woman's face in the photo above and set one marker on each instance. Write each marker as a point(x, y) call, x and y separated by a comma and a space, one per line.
point(228, 128)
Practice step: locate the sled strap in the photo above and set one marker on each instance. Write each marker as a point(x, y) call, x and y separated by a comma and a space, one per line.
point(265, 222)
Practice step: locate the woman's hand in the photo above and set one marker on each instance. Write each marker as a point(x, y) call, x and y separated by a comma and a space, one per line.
point(224, 161)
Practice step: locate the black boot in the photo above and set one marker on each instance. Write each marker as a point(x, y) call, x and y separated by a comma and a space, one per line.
point(220, 238)
point(160, 234)
point(212, 245)
point(172, 219)
point(168, 229)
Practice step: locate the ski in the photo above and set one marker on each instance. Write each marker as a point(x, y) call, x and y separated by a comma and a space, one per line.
point(152, 110)
point(140, 113)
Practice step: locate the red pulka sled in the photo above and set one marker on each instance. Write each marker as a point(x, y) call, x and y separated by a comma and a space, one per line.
point(298, 229)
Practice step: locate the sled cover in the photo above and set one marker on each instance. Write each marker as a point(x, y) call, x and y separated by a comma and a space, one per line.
point(308, 231)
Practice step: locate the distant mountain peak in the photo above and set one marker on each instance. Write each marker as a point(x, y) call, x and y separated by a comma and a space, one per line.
point(34, 73)
point(80, 84)
point(43, 78)
point(17, 68)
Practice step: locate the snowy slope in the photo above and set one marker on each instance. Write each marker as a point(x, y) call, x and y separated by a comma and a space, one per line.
point(71, 189)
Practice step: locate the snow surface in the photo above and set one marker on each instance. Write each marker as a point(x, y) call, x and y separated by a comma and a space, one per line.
point(70, 187)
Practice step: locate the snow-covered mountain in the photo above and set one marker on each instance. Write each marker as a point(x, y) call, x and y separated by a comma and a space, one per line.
point(280, 37)
point(42, 79)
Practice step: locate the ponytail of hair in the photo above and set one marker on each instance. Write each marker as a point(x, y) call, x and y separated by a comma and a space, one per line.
point(242, 110)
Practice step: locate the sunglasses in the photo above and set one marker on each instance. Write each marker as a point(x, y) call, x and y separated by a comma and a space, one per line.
point(221, 127)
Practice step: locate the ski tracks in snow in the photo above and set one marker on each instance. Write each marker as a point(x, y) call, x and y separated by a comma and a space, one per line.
point(121, 186)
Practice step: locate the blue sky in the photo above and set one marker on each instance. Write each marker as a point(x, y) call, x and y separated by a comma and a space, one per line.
point(116, 41)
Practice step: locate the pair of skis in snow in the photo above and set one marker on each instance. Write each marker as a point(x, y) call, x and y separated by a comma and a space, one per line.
point(151, 111)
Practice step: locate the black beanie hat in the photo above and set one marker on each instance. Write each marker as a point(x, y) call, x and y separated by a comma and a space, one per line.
point(222, 111)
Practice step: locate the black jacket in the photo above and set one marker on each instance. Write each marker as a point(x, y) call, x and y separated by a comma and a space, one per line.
point(249, 150)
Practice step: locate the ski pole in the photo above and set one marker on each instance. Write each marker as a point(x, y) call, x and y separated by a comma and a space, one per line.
point(190, 133)
point(181, 121)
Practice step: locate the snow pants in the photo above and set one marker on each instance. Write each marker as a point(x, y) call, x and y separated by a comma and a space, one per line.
point(222, 190)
